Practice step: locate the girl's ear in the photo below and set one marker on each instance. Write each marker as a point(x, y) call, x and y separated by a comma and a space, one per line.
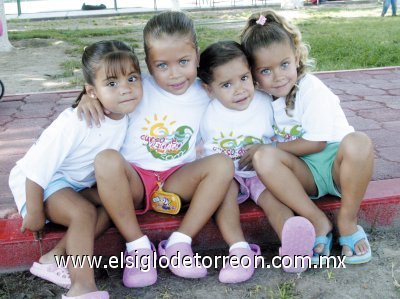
point(90, 90)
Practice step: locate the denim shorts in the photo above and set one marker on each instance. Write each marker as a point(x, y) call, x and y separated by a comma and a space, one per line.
point(321, 164)
point(52, 188)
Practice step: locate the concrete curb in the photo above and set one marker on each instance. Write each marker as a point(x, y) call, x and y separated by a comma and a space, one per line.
point(380, 209)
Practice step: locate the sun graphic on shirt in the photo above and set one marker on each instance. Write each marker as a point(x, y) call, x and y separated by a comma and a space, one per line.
point(227, 142)
point(158, 126)
point(230, 141)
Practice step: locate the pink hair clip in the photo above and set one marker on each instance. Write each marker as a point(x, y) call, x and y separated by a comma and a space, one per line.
point(261, 20)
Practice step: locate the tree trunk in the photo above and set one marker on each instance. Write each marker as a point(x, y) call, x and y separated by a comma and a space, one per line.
point(4, 42)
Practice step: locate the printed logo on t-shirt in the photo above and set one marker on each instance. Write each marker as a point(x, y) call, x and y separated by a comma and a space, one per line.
point(163, 141)
point(232, 146)
point(288, 134)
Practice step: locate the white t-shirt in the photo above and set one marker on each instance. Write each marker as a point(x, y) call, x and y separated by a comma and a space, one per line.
point(317, 115)
point(66, 149)
point(228, 131)
point(164, 127)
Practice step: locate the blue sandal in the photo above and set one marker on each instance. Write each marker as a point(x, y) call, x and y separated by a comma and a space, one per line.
point(327, 241)
point(351, 241)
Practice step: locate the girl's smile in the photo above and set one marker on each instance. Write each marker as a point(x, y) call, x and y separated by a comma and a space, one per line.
point(178, 86)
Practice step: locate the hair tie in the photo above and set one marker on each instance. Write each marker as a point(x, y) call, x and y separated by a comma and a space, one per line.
point(261, 20)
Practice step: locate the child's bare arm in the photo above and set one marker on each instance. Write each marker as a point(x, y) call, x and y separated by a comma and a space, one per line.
point(91, 109)
point(298, 147)
point(301, 147)
point(35, 217)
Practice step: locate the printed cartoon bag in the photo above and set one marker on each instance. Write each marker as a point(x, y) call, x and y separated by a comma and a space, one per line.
point(165, 202)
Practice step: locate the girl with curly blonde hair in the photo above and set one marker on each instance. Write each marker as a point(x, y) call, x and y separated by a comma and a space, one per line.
point(316, 152)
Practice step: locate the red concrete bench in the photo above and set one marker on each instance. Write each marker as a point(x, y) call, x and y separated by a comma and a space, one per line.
point(380, 208)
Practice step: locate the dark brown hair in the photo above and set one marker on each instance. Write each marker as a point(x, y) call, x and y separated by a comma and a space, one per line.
point(114, 55)
point(218, 54)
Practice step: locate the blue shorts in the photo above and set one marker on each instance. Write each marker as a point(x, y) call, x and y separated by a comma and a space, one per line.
point(52, 188)
point(320, 165)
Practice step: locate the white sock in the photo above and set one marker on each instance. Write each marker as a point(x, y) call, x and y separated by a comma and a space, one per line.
point(177, 237)
point(141, 243)
point(242, 244)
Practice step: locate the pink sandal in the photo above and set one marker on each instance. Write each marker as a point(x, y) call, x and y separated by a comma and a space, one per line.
point(298, 237)
point(184, 252)
point(246, 267)
point(52, 273)
point(91, 295)
point(143, 275)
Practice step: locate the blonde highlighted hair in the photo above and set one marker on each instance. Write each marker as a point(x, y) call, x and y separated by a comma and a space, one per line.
point(276, 29)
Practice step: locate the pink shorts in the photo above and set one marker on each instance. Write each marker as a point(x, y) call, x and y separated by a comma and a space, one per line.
point(150, 178)
point(249, 187)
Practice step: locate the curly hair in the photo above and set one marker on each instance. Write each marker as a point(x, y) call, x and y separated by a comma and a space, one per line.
point(276, 29)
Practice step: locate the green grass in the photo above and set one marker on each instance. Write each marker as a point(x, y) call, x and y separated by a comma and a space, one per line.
point(285, 290)
point(70, 66)
point(67, 35)
point(338, 39)
point(337, 43)
point(350, 43)
point(207, 36)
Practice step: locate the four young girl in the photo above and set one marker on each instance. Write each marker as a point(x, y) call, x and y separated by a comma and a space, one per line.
point(295, 135)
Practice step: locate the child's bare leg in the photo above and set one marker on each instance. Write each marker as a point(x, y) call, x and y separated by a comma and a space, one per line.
point(103, 222)
point(228, 217)
point(277, 213)
point(205, 182)
point(289, 180)
point(121, 191)
point(228, 221)
point(352, 171)
point(70, 209)
point(58, 250)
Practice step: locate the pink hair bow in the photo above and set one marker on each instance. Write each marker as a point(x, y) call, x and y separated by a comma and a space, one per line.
point(261, 20)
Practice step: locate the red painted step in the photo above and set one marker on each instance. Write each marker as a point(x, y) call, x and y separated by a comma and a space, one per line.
point(380, 208)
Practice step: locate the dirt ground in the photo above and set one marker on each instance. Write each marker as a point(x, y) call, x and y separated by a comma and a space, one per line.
point(378, 279)
point(34, 66)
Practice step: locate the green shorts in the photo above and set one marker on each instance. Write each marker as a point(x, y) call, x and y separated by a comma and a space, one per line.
point(321, 164)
